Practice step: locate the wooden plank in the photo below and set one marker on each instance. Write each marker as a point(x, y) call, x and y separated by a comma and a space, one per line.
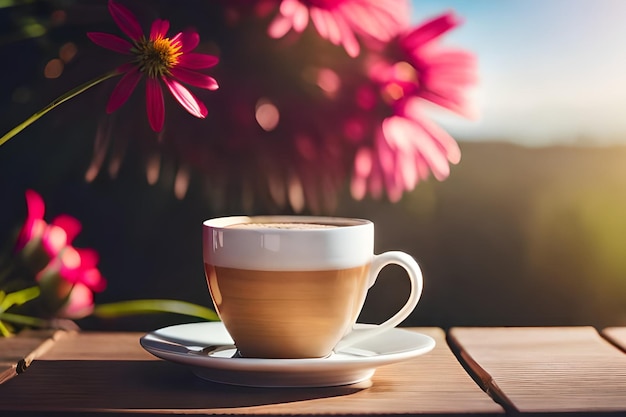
point(111, 373)
point(616, 335)
point(542, 370)
point(17, 352)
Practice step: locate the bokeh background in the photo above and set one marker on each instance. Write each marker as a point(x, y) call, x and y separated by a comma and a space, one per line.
point(529, 229)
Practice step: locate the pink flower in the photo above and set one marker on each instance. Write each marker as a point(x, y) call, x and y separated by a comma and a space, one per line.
point(416, 65)
point(78, 266)
point(161, 60)
point(340, 20)
point(67, 283)
point(302, 119)
point(79, 303)
point(38, 242)
point(408, 147)
point(34, 225)
point(64, 273)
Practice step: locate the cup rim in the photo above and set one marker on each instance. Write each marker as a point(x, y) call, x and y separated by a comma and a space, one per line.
point(344, 222)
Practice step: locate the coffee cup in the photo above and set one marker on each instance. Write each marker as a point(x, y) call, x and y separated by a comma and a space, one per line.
point(294, 286)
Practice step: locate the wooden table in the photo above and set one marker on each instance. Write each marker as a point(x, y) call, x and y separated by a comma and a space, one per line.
point(471, 371)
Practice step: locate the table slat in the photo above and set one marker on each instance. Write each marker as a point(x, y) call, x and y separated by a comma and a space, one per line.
point(17, 352)
point(111, 373)
point(548, 369)
point(617, 335)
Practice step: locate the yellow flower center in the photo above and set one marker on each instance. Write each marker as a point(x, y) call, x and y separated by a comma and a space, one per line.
point(155, 57)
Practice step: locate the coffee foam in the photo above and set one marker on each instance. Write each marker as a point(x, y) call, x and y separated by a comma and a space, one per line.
point(292, 226)
point(256, 243)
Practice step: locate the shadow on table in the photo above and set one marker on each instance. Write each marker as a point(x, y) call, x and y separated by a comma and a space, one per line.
point(70, 385)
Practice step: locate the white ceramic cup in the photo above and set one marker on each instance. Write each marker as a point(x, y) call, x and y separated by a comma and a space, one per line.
point(293, 286)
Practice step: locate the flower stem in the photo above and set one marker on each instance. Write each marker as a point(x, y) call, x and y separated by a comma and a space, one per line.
point(124, 308)
point(59, 100)
point(24, 320)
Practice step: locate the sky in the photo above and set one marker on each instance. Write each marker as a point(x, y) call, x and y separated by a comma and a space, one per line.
point(551, 71)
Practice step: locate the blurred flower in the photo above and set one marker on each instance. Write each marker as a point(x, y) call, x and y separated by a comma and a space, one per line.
point(408, 146)
point(79, 304)
point(34, 225)
point(44, 279)
point(159, 59)
point(289, 136)
point(296, 120)
point(67, 283)
point(46, 257)
point(39, 242)
point(339, 20)
point(414, 64)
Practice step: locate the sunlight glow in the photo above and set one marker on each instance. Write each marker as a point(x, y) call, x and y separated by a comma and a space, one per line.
point(267, 115)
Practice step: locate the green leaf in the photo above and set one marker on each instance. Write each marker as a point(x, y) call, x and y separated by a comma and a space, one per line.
point(18, 297)
point(4, 330)
point(134, 307)
point(24, 320)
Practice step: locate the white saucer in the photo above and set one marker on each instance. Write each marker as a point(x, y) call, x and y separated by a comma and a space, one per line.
point(209, 350)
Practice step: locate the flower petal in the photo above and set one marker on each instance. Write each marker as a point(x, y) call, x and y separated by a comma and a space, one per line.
point(194, 78)
point(53, 240)
point(126, 21)
point(159, 29)
point(290, 7)
point(34, 205)
point(319, 21)
point(186, 98)
point(155, 104)
point(327, 26)
point(34, 224)
point(398, 130)
point(94, 280)
point(380, 19)
point(123, 89)
point(279, 27)
point(197, 61)
point(348, 40)
point(300, 18)
point(88, 258)
point(189, 39)
point(68, 223)
point(447, 143)
point(79, 303)
point(112, 42)
point(430, 30)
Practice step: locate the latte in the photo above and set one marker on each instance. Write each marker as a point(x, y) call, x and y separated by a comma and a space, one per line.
point(293, 226)
point(294, 286)
point(287, 314)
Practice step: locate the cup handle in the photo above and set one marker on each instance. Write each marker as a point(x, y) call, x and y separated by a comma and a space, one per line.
point(417, 284)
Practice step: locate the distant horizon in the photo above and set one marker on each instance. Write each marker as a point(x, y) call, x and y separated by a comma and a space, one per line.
point(513, 142)
point(551, 71)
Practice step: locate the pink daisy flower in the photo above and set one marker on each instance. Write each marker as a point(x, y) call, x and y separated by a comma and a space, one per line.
point(59, 268)
point(161, 60)
point(408, 146)
point(340, 20)
point(418, 66)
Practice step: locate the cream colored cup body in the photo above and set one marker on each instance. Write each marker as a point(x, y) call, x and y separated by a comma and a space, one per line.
point(287, 314)
point(287, 291)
